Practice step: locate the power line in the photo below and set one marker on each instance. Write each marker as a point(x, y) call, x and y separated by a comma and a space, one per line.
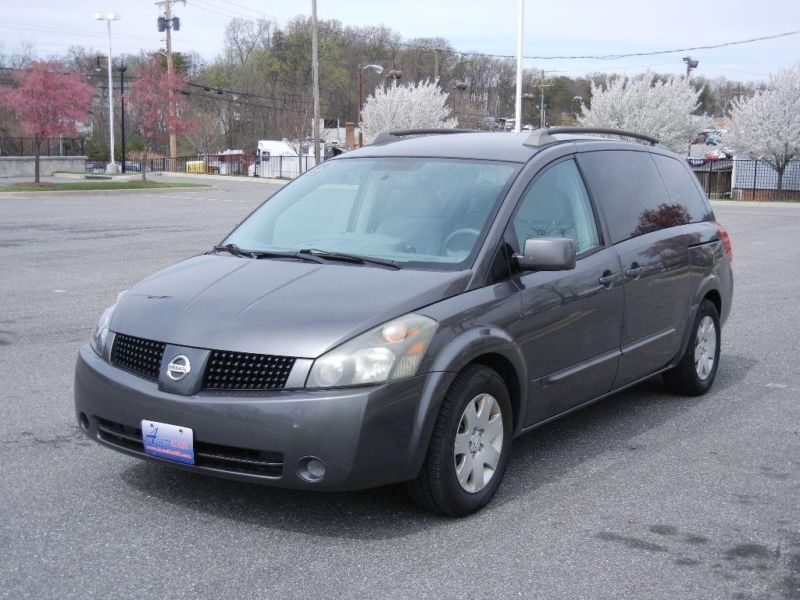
point(63, 30)
point(228, 12)
point(618, 56)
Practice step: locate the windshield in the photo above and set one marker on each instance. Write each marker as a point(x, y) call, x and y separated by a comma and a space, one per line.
point(413, 211)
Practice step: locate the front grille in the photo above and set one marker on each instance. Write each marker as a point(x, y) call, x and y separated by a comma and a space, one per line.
point(212, 456)
point(138, 355)
point(239, 371)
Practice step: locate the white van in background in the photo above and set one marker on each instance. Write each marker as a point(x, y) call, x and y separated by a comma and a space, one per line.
point(277, 159)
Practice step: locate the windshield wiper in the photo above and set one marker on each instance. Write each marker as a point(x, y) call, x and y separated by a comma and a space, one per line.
point(237, 251)
point(233, 249)
point(351, 258)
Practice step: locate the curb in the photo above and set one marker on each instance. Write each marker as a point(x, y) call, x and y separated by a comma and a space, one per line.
point(108, 192)
point(234, 178)
point(756, 203)
point(96, 176)
point(136, 176)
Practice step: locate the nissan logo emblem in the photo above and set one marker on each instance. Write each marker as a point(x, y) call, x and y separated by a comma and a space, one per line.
point(179, 367)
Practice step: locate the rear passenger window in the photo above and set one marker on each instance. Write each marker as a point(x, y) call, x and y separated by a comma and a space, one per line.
point(631, 192)
point(680, 187)
point(557, 205)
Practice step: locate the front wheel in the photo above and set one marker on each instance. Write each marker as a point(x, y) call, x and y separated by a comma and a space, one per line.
point(469, 446)
point(697, 369)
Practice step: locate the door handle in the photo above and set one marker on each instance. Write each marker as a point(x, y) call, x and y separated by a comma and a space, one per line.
point(608, 278)
point(634, 272)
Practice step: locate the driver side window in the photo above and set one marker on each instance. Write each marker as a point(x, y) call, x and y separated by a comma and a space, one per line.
point(557, 205)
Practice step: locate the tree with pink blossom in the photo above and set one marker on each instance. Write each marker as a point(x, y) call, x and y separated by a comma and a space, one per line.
point(48, 101)
point(158, 105)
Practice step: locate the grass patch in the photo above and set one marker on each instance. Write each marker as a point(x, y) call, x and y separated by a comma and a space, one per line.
point(95, 185)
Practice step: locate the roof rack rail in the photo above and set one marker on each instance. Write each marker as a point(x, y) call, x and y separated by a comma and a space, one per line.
point(387, 137)
point(541, 137)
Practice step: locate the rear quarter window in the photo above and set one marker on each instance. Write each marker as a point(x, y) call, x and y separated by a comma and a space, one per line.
point(630, 192)
point(681, 188)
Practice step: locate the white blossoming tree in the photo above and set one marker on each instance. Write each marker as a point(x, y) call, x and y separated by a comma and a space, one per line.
point(767, 126)
point(412, 106)
point(641, 104)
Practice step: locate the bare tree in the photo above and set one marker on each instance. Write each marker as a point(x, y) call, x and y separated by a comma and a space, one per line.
point(243, 36)
point(206, 131)
point(295, 127)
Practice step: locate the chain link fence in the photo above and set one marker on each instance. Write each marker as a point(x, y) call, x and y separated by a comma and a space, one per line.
point(748, 179)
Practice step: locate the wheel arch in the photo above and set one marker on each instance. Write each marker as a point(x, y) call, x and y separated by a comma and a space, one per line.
point(716, 299)
point(507, 371)
point(709, 288)
point(492, 347)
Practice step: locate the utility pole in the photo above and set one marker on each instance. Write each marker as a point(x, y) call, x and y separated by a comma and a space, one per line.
point(542, 110)
point(315, 70)
point(436, 65)
point(173, 142)
point(690, 64)
point(518, 103)
point(166, 24)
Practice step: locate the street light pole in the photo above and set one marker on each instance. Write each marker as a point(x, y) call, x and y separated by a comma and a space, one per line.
point(358, 114)
point(315, 70)
point(122, 68)
point(361, 68)
point(112, 167)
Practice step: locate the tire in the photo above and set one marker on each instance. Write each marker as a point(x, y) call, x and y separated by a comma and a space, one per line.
point(483, 439)
point(695, 373)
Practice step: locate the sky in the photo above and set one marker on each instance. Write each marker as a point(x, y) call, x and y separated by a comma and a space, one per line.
point(552, 28)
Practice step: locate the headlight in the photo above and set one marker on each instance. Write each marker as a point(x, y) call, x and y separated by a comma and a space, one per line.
point(100, 334)
point(390, 351)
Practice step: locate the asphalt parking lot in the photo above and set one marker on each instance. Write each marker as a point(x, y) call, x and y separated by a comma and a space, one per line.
point(645, 495)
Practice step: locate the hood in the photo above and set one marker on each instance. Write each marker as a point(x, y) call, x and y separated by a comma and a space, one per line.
point(271, 306)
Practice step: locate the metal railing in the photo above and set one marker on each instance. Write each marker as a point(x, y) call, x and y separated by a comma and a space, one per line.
point(19, 146)
point(276, 167)
point(748, 179)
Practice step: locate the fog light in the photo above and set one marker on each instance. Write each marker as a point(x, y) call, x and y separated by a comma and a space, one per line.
point(311, 469)
point(84, 420)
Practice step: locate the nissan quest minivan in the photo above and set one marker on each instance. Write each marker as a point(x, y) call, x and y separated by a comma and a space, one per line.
point(402, 312)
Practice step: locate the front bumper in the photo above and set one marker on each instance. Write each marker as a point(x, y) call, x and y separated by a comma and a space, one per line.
point(366, 437)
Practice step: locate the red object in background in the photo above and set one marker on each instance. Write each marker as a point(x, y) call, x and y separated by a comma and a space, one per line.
point(150, 99)
point(49, 101)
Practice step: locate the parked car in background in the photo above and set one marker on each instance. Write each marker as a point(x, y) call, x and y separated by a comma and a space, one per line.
point(696, 161)
point(401, 312)
point(715, 155)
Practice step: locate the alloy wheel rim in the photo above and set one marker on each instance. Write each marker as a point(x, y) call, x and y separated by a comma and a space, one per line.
point(705, 348)
point(478, 443)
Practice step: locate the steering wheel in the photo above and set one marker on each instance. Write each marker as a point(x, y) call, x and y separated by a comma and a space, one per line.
point(466, 233)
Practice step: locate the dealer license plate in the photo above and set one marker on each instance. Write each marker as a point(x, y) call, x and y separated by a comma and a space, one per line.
point(172, 442)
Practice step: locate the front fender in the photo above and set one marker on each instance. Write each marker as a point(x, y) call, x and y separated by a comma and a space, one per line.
point(485, 343)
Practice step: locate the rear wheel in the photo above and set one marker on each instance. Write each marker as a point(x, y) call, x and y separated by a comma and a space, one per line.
point(697, 370)
point(469, 446)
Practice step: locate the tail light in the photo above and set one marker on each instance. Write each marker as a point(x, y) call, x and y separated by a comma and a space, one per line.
point(726, 240)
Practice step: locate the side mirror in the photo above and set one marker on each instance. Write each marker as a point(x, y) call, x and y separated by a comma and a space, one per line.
point(547, 254)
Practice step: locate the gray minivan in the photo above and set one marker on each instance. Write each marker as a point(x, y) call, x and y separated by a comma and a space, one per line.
point(401, 312)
